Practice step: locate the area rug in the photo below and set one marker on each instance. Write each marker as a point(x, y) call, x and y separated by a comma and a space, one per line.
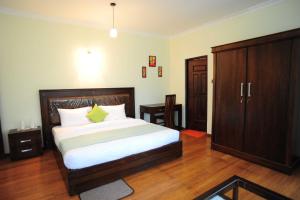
point(111, 191)
point(193, 133)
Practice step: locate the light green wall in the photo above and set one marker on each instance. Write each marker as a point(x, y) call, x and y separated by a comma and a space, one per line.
point(282, 16)
point(36, 54)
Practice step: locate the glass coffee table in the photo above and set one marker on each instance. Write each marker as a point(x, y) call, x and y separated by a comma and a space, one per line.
point(236, 188)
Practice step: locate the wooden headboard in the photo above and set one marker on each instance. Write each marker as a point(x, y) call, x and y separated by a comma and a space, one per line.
point(50, 100)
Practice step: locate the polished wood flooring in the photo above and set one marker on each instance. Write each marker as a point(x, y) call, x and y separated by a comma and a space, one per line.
point(198, 170)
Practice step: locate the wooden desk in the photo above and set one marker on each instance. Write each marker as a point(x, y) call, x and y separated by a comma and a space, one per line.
point(153, 109)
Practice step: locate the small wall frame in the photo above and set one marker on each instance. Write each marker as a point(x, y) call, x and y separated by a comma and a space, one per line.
point(152, 61)
point(159, 71)
point(144, 72)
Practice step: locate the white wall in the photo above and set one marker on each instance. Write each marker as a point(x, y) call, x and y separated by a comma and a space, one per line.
point(278, 17)
point(36, 54)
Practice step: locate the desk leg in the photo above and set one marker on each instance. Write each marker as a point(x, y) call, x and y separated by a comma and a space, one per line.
point(152, 119)
point(141, 115)
point(235, 193)
point(180, 118)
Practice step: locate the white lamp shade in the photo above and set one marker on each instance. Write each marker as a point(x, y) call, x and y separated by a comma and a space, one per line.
point(113, 33)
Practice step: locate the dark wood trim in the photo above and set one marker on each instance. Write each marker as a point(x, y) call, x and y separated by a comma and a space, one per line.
point(294, 107)
point(291, 108)
point(245, 106)
point(274, 165)
point(186, 93)
point(81, 180)
point(259, 40)
point(186, 86)
point(213, 137)
point(45, 95)
point(2, 155)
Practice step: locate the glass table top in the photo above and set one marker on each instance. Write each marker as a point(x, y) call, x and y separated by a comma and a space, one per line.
point(236, 188)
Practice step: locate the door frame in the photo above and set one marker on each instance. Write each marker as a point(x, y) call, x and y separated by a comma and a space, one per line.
point(186, 87)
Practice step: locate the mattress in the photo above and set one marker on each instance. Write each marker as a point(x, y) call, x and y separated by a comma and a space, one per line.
point(105, 152)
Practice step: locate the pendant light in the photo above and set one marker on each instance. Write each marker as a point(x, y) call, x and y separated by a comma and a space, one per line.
point(113, 31)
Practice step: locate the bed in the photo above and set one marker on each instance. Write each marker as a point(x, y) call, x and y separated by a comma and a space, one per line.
point(104, 164)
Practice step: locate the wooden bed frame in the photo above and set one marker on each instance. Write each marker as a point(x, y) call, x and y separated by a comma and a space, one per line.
point(81, 180)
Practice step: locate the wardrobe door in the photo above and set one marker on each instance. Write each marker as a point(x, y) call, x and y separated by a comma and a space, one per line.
point(229, 106)
point(267, 102)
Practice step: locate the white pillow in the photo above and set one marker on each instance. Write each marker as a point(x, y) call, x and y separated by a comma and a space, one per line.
point(114, 112)
point(74, 117)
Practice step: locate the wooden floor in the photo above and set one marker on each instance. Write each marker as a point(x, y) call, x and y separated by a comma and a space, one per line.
point(198, 170)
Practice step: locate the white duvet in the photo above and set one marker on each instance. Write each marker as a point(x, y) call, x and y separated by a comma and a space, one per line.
point(113, 150)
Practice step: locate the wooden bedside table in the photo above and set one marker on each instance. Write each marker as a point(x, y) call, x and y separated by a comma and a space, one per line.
point(25, 143)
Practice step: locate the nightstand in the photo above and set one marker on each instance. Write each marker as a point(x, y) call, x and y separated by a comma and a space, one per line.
point(25, 143)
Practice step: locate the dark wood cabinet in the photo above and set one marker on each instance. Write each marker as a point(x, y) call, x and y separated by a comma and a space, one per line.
point(256, 99)
point(24, 143)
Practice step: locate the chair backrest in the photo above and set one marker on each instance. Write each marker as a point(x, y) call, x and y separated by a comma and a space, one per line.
point(169, 110)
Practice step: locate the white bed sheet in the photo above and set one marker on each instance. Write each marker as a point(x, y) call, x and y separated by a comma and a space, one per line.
point(113, 150)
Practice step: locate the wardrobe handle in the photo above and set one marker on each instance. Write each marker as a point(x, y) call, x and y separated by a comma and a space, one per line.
point(23, 141)
point(242, 89)
point(26, 150)
point(242, 92)
point(249, 89)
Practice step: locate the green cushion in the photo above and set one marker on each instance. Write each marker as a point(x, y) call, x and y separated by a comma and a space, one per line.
point(97, 114)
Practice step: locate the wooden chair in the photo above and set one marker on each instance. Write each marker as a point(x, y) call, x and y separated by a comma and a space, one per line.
point(167, 119)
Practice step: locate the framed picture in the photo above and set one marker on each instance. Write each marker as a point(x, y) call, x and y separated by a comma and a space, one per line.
point(152, 61)
point(144, 72)
point(159, 70)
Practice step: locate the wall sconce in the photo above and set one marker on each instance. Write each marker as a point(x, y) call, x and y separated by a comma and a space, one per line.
point(88, 63)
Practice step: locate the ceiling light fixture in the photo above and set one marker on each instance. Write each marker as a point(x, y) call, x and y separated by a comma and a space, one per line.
point(113, 31)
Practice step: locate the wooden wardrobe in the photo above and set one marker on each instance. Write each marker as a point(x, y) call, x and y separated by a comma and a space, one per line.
point(256, 99)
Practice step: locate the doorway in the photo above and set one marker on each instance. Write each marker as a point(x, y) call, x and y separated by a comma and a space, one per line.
point(196, 93)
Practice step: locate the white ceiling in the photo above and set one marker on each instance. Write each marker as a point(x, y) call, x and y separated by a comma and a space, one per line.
point(159, 17)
